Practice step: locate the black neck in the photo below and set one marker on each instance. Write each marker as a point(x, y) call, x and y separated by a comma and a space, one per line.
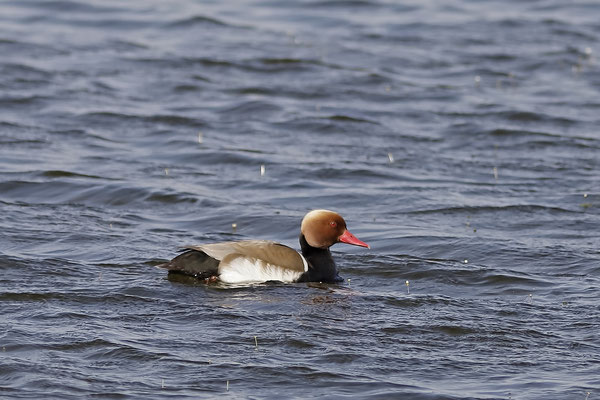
point(321, 267)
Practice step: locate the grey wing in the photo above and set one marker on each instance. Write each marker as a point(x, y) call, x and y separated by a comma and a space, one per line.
point(271, 252)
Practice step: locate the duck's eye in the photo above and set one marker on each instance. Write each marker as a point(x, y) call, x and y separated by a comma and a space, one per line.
point(333, 224)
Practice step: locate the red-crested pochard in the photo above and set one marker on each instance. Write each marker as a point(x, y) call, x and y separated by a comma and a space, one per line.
point(262, 260)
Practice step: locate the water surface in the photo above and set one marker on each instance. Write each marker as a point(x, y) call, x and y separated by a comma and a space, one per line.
point(459, 139)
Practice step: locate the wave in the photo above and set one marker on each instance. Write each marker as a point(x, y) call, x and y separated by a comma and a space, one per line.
point(73, 188)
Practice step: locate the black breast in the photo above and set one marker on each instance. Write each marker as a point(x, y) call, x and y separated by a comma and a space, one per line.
point(321, 267)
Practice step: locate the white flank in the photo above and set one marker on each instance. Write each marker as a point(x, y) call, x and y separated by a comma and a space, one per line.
point(304, 262)
point(236, 268)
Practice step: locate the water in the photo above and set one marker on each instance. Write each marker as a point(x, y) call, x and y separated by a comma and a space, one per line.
point(459, 139)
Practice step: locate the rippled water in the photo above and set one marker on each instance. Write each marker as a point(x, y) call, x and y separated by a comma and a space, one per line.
point(460, 139)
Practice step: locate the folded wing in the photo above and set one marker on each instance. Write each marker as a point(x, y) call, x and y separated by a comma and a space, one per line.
point(255, 261)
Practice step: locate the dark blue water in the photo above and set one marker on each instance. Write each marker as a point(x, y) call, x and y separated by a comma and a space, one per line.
point(460, 139)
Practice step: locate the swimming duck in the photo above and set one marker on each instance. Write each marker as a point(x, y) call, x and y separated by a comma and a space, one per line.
point(249, 261)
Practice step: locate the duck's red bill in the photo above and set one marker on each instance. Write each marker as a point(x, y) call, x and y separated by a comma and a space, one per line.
point(349, 238)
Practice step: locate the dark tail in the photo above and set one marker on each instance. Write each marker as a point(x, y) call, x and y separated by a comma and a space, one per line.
point(194, 263)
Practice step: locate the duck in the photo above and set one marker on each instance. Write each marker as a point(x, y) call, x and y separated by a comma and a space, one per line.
point(259, 261)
